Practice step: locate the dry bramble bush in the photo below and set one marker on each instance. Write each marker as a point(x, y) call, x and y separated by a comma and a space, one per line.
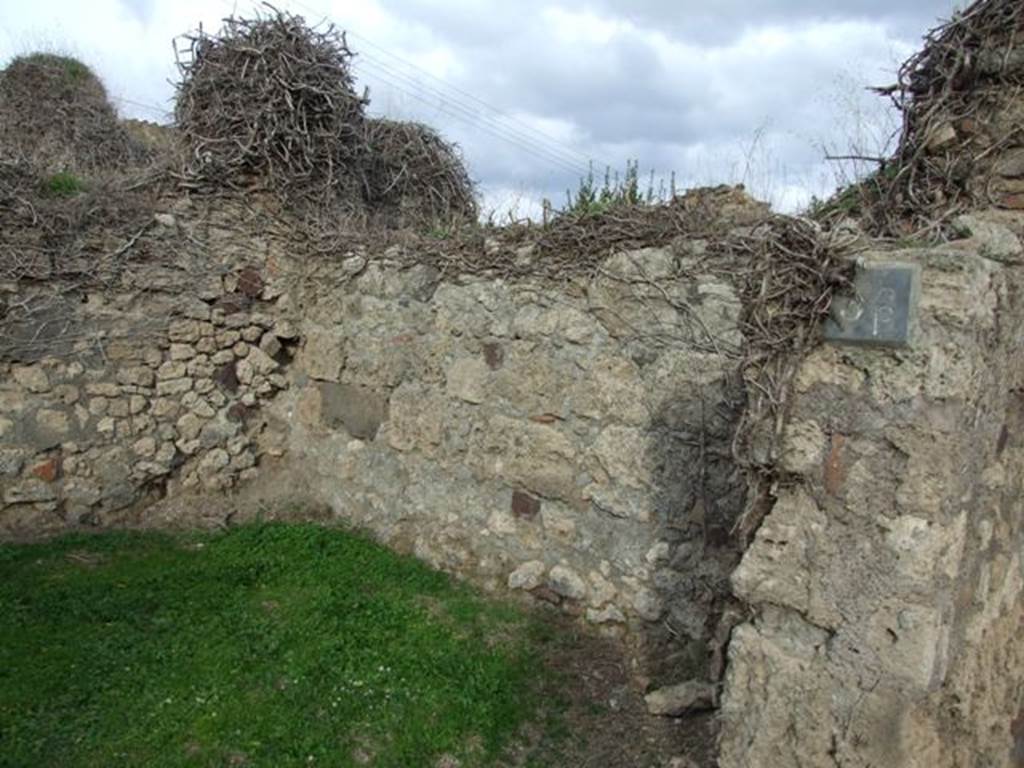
point(269, 102)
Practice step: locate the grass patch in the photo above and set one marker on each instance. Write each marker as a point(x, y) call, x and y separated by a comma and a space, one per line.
point(63, 184)
point(268, 645)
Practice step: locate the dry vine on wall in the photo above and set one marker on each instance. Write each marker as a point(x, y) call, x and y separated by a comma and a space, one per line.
point(956, 97)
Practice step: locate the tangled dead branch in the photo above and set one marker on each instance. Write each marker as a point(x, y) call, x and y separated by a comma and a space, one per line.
point(960, 101)
point(58, 226)
point(62, 239)
point(269, 101)
point(412, 175)
point(576, 244)
point(788, 272)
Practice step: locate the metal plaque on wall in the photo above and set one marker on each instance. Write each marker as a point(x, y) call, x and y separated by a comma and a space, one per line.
point(882, 310)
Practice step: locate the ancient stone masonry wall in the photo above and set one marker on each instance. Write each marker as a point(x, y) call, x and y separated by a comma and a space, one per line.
point(887, 582)
point(573, 442)
point(147, 393)
point(570, 441)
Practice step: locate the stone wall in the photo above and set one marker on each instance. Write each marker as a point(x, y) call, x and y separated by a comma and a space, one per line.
point(570, 441)
point(545, 439)
point(887, 582)
point(151, 393)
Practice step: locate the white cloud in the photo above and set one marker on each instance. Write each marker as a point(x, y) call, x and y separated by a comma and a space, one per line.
point(573, 27)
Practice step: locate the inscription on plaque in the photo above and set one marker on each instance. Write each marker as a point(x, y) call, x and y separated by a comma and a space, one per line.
point(882, 309)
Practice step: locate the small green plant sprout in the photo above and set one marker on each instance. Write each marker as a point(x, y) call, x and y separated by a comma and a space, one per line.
point(63, 184)
point(614, 190)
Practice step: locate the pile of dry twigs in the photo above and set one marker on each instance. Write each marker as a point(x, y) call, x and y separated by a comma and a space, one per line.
point(572, 244)
point(954, 96)
point(48, 233)
point(73, 181)
point(270, 101)
point(412, 173)
point(55, 114)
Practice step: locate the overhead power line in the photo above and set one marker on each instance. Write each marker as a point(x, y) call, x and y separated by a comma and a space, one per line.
point(461, 105)
point(455, 92)
point(473, 114)
point(480, 103)
point(460, 112)
point(151, 108)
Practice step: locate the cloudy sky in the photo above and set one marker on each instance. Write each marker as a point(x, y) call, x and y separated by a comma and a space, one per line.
point(754, 91)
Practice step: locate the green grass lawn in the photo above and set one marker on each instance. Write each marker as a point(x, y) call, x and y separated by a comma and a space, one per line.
point(268, 645)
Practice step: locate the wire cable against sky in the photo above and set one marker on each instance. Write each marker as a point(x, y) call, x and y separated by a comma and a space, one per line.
point(460, 112)
point(524, 126)
point(463, 106)
point(454, 104)
point(539, 144)
point(514, 124)
point(151, 108)
point(473, 114)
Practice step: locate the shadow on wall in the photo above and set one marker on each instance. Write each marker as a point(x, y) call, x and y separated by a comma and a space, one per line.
point(1017, 730)
point(699, 495)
